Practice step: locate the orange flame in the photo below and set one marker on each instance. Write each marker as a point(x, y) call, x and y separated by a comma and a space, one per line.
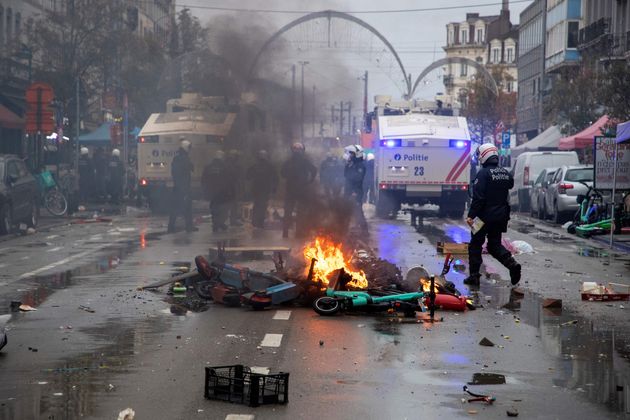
point(329, 257)
point(426, 285)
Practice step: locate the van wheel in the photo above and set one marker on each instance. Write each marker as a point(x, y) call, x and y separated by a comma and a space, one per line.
point(34, 219)
point(6, 223)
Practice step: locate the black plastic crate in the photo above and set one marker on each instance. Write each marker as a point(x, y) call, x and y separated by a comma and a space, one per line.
point(238, 384)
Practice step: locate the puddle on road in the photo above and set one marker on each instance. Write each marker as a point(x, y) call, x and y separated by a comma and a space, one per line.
point(35, 291)
point(74, 387)
point(591, 359)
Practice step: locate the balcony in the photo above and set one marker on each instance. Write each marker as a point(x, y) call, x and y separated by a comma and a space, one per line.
point(594, 33)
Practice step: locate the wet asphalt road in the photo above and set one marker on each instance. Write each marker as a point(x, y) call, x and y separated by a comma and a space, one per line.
point(141, 350)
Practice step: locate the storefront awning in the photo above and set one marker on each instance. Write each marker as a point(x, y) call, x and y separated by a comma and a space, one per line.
point(8, 119)
point(584, 138)
point(547, 140)
point(623, 132)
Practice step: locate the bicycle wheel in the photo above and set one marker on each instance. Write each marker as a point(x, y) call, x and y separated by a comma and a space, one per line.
point(55, 202)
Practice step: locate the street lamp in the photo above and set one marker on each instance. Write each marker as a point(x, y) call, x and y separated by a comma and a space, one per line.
point(26, 53)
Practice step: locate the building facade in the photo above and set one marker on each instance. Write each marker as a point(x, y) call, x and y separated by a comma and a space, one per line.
point(531, 70)
point(490, 41)
point(563, 19)
point(605, 30)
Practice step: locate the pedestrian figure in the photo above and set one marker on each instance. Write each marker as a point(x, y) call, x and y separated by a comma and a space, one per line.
point(354, 174)
point(86, 176)
point(331, 176)
point(299, 173)
point(218, 190)
point(100, 173)
point(181, 171)
point(235, 177)
point(368, 181)
point(116, 175)
point(264, 181)
point(490, 204)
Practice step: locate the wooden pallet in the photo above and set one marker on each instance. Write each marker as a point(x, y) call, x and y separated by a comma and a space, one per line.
point(452, 248)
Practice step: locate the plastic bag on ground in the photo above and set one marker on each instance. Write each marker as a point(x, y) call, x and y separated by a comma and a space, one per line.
point(522, 247)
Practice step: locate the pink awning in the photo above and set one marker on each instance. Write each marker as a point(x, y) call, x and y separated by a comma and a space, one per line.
point(585, 137)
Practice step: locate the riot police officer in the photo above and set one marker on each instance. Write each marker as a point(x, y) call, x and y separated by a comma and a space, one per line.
point(490, 204)
point(181, 171)
point(354, 173)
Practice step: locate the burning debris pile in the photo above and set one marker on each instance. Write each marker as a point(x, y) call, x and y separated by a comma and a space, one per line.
point(322, 258)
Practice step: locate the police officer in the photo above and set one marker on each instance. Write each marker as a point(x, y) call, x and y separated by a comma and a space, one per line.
point(181, 171)
point(218, 190)
point(490, 204)
point(86, 175)
point(263, 179)
point(299, 173)
point(328, 175)
point(354, 174)
point(368, 181)
point(116, 175)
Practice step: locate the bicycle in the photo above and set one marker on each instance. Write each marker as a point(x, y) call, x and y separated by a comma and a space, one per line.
point(51, 196)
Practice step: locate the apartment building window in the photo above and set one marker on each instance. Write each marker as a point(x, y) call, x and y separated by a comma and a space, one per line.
point(1, 25)
point(509, 86)
point(479, 36)
point(9, 23)
point(463, 69)
point(510, 55)
point(464, 37)
point(572, 34)
point(496, 55)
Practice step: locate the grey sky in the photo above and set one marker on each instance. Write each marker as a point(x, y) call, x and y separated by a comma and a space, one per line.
point(414, 35)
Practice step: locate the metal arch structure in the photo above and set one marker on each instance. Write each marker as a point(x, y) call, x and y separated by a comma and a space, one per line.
point(492, 84)
point(330, 14)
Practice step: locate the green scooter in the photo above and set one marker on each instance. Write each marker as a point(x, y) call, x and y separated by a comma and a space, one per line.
point(591, 217)
point(338, 298)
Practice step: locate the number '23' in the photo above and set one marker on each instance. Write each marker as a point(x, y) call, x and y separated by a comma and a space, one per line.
point(418, 171)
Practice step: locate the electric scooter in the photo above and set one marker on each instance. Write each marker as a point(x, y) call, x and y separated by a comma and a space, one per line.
point(338, 299)
point(591, 217)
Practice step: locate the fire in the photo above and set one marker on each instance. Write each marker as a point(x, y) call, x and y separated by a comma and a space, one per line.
point(329, 257)
point(426, 285)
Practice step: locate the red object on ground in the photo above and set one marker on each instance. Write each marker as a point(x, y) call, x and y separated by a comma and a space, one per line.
point(450, 302)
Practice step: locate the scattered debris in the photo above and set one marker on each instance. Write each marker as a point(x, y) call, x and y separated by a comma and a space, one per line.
point(479, 397)
point(512, 412)
point(452, 248)
point(572, 322)
point(321, 342)
point(598, 292)
point(126, 414)
point(487, 379)
point(15, 305)
point(33, 349)
point(552, 303)
point(522, 247)
point(485, 342)
point(86, 309)
point(26, 308)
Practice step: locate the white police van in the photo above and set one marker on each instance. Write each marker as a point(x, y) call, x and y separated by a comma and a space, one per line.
point(422, 158)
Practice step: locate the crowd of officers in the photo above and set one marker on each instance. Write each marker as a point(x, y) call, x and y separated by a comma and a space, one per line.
point(101, 176)
point(225, 181)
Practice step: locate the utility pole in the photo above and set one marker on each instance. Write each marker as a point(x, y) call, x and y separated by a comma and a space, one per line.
point(341, 118)
point(77, 150)
point(313, 113)
point(302, 63)
point(350, 118)
point(365, 93)
point(292, 99)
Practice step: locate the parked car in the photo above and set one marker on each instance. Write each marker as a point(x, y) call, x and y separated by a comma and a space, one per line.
point(538, 191)
point(19, 194)
point(568, 182)
point(526, 170)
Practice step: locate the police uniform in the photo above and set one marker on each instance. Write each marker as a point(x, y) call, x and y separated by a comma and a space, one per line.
point(490, 204)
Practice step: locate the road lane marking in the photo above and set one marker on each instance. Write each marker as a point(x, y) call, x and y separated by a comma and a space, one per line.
point(55, 249)
point(282, 315)
point(62, 262)
point(271, 340)
point(260, 370)
point(240, 417)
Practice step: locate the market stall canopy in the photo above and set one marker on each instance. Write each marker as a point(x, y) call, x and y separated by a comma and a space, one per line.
point(101, 135)
point(8, 119)
point(547, 140)
point(585, 137)
point(623, 132)
point(193, 122)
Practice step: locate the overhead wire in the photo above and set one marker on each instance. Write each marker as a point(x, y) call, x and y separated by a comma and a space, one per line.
point(352, 12)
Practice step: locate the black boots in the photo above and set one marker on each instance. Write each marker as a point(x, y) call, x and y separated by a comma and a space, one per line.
point(472, 280)
point(515, 273)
